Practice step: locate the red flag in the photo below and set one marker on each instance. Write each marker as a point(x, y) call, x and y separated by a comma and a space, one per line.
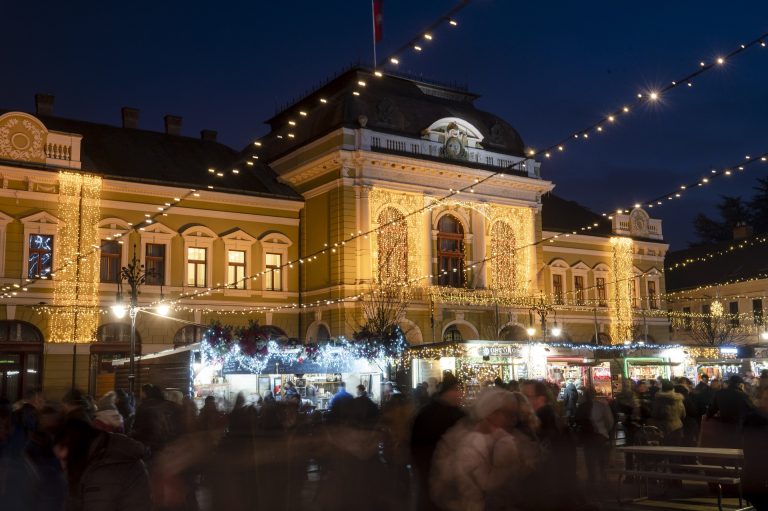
point(377, 18)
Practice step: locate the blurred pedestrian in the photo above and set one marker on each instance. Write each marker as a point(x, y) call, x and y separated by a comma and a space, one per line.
point(755, 445)
point(104, 470)
point(594, 420)
point(429, 426)
point(669, 412)
point(107, 417)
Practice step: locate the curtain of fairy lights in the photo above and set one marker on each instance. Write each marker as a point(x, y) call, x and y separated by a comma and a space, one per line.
point(623, 277)
point(392, 248)
point(401, 241)
point(76, 283)
point(512, 235)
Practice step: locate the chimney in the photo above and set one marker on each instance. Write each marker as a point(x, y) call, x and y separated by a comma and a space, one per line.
point(172, 125)
point(130, 117)
point(209, 135)
point(742, 231)
point(44, 104)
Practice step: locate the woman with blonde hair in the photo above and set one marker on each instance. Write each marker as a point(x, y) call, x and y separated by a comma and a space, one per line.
point(482, 457)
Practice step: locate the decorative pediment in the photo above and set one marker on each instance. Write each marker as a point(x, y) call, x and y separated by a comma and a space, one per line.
point(580, 266)
point(22, 137)
point(158, 229)
point(43, 217)
point(197, 231)
point(237, 234)
point(601, 267)
point(275, 238)
point(559, 263)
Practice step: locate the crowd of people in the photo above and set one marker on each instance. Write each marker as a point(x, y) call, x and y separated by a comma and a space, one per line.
point(513, 446)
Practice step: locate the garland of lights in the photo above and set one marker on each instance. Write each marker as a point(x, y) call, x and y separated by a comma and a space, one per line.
point(252, 348)
point(621, 307)
point(76, 285)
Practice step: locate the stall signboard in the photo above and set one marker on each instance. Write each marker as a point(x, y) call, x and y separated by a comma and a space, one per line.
point(494, 350)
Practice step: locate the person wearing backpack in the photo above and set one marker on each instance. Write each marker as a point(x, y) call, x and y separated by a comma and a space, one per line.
point(594, 422)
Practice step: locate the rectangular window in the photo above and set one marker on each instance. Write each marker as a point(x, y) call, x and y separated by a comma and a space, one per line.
point(602, 300)
point(757, 311)
point(687, 322)
point(578, 286)
point(40, 255)
point(733, 310)
point(274, 273)
point(154, 264)
point(652, 304)
point(557, 288)
point(196, 266)
point(109, 270)
point(236, 269)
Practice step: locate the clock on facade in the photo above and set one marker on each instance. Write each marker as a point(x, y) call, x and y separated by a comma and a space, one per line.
point(453, 147)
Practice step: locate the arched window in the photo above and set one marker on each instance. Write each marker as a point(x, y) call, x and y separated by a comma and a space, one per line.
point(602, 339)
point(392, 242)
point(188, 335)
point(452, 334)
point(513, 333)
point(19, 331)
point(115, 333)
point(450, 252)
point(323, 334)
point(502, 256)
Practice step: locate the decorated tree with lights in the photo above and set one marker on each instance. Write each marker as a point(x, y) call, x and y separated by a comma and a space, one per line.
point(717, 328)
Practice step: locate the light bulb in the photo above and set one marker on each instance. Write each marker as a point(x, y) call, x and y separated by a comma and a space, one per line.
point(118, 310)
point(530, 331)
point(764, 336)
point(556, 331)
point(163, 309)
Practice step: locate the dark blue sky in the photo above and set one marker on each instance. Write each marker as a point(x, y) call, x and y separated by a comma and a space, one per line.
point(547, 67)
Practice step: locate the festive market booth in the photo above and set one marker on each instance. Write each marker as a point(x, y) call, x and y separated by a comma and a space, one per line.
point(600, 366)
point(250, 361)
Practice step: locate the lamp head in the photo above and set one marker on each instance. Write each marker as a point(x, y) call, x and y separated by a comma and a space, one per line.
point(530, 331)
point(162, 309)
point(556, 331)
point(118, 310)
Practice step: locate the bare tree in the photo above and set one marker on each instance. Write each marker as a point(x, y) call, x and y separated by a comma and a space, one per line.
point(717, 330)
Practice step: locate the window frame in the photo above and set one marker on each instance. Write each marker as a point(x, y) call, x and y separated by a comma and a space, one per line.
point(40, 223)
point(239, 240)
point(238, 281)
point(147, 266)
point(448, 279)
point(32, 251)
point(158, 234)
point(112, 257)
point(199, 236)
point(196, 264)
point(276, 243)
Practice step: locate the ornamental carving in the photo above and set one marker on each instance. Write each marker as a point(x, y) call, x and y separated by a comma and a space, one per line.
point(639, 223)
point(22, 138)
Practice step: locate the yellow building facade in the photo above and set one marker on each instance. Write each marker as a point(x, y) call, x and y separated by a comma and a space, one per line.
point(369, 184)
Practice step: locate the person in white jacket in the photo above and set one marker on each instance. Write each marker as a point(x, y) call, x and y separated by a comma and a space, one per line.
point(478, 456)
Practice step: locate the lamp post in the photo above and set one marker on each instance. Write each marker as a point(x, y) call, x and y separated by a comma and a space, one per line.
point(135, 275)
point(542, 309)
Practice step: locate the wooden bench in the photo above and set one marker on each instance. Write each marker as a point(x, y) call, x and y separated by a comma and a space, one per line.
point(718, 480)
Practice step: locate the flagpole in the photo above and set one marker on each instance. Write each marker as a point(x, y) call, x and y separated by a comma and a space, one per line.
point(373, 33)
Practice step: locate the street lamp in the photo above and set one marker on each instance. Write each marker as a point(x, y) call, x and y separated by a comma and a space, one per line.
point(556, 331)
point(764, 335)
point(135, 275)
point(542, 309)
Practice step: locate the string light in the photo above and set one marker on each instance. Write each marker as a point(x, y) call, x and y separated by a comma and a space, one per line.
point(621, 307)
point(77, 284)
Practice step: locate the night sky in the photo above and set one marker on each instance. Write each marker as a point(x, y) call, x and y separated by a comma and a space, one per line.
point(548, 68)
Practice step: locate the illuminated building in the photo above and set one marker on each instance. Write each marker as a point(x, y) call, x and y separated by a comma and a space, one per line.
point(404, 184)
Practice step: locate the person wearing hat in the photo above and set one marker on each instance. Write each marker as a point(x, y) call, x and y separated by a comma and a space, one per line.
point(107, 417)
point(478, 460)
point(731, 404)
point(432, 421)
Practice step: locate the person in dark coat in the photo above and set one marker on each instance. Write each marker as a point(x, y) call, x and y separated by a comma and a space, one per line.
point(570, 400)
point(365, 411)
point(702, 395)
point(755, 473)
point(429, 426)
point(104, 471)
point(731, 404)
point(557, 461)
point(156, 421)
point(340, 407)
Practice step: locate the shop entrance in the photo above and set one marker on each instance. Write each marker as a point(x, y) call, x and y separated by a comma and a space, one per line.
point(21, 350)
